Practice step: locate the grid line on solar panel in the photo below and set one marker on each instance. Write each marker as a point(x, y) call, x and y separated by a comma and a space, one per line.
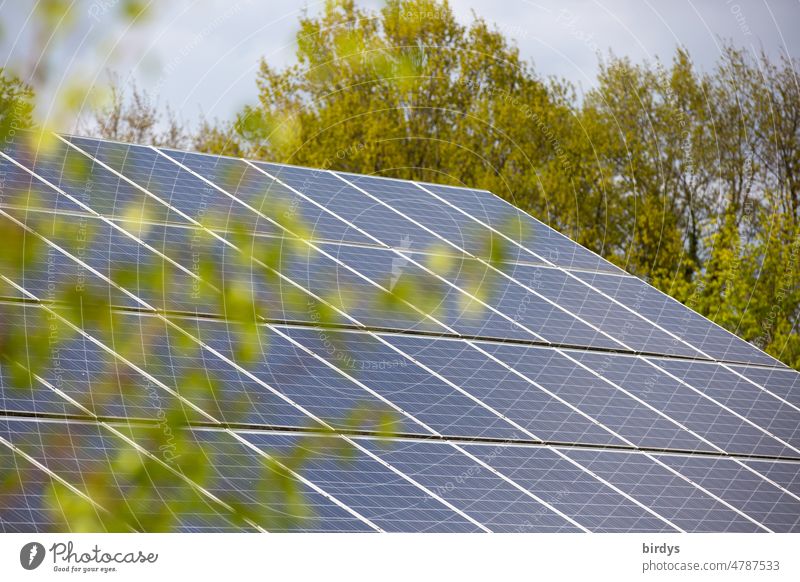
point(175, 394)
point(630, 420)
point(716, 425)
point(431, 189)
point(452, 244)
point(211, 418)
point(112, 252)
point(357, 272)
point(760, 385)
point(669, 492)
point(16, 451)
point(292, 403)
point(517, 462)
point(315, 247)
point(482, 261)
point(410, 202)
point(705, 335)
point(84, 438)
point(494, 492)
point(409, 260)
point(640, 400)
point(557, 326)
point(224, 241)
point(71, 189)
point(246, 183)
point(788, 425)
point(734, 483)
point(784, 474)
point(783, 382)
point(585, 278)
point(496, 212)
point(110, 223)
point(514, 484)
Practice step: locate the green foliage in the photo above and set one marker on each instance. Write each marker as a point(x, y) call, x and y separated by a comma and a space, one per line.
point(16, 104)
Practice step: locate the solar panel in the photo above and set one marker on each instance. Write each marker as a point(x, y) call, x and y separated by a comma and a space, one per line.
point(331, 352)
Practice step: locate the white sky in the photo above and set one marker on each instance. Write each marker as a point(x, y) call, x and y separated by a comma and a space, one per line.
point(202, 55)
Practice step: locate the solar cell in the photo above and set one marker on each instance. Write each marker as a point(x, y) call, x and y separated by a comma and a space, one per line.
point(569, 488)
point(611, 407)
point(388, 499)
point(721, 428)
point(775, 417)
point(531, 409)
point(678, 319)
point(342, 199)
point(667, 493)
point(403, 383)
point(732, 482)
point(75, 450)
point(472, 487)
point(539, 239)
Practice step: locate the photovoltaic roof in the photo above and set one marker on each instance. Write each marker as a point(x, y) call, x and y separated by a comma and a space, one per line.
point(541, 389)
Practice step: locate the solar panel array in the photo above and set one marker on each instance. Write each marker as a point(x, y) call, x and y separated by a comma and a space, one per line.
point(554, 392)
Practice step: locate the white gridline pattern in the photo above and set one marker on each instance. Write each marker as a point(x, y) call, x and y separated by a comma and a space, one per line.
point(472, 344)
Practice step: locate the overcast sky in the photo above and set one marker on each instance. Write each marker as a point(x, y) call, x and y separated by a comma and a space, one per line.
point(202, 55)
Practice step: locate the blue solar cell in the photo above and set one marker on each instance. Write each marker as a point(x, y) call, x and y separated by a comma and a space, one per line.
point(683, 504)
point(741, 396)
point(455, 309)
point(23, 505)
point(569, 488)
point(47, 272)
point(471, 487)
point(597, 310)
point(410, 200)
point(782, 382)
point(82, 178)
point(274, 383)
point(309, 382)
point(21, 190)
point(786, 474)
point(8, 291)
point(447, 222)
point(171, 184)
point(709, 420)
point(268, 196)
point(678, 319)
point(18, 391)
point(522, 402)
point(356, 208)
point(595, 397)
point(250, 480)
point(554, 325)
point(739, 487)
point(74, 451)
point(349, 290)
point(387, 499)
point(522, 228)
point(400, 381)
